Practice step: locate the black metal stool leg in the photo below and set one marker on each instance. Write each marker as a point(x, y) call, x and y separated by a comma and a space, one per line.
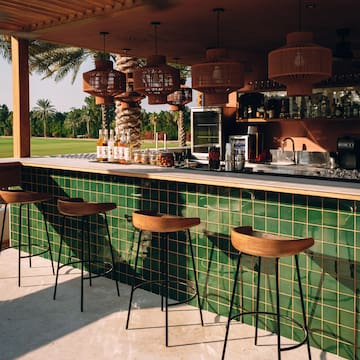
point(195, 277)
point(86, 225)
point(47, 237)
point(231, 305)
point(19, 250)
point(28, 232)
point(82, 264)
point(278, 307)
point(166, 253)
point(162, 269)
point(257, 301)
point(59, 256)
point(302, 306)
point(133, 280)
point(3, 228)
point(112, 255)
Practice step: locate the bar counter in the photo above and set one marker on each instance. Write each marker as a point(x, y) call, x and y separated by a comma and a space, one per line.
point(326, 210)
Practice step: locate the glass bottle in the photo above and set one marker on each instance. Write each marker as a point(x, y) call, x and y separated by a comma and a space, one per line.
point(116, 145)
point(122, 148)
point(105, 145)
point(111, 144)
point(127, 149)
point(99, 144)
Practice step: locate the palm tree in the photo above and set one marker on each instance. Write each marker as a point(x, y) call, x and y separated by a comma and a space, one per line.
point(91, 116)
point(43, 111)
point(73, 120)
point(128, 114)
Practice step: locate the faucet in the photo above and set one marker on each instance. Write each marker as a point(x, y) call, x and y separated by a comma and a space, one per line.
point(293, 146)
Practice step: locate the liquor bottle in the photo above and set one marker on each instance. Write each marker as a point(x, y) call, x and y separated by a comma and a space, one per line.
point(122, 147)
point(111, 143)
point(105, 145)
point(117, 145)
point(127, 149)
point(99, 145)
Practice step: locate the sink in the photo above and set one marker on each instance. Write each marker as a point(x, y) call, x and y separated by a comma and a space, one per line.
point(282, 157)
point(313, 158)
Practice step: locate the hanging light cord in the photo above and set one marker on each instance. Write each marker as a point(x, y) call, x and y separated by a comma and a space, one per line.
point(155, 24)
point(218, 12)
point(104, 33)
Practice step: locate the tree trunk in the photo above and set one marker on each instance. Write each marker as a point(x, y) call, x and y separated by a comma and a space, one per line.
point(127, 115)
point(44, 120)
point(181, 128)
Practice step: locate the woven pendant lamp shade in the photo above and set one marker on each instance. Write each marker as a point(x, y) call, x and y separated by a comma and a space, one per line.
point(217, 77)
point(104, 82)
point(299, 64)
point(179, 98)
point(156, 80)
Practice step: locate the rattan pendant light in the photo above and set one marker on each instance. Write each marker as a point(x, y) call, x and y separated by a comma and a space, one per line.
point(300, 63)
point(156, 80)
point(179, 98)
point(104, 82)
point(219, 75)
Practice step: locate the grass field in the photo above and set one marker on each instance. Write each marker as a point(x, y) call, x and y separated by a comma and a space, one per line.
point(54, 146)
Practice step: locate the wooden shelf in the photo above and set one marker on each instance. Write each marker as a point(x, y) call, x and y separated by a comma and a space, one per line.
point(261, 120)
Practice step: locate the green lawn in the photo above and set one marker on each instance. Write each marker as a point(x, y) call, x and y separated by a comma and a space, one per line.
point(53, 146)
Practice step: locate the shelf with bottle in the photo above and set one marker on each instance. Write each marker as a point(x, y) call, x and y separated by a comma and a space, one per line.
point(339, 80)
point(322, 104)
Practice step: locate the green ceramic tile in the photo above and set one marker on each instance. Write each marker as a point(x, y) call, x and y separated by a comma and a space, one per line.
point(286, 212)
point(300, 214)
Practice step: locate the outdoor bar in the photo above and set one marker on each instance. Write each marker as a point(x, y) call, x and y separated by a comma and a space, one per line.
point(275, 148)
point(324, 210)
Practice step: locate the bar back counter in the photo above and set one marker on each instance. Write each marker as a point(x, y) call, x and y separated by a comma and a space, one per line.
point(327, 211)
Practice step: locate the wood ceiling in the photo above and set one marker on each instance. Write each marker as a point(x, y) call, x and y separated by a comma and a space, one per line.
point(248, 28)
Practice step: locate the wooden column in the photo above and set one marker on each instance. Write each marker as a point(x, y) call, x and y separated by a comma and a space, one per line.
point(20, 77)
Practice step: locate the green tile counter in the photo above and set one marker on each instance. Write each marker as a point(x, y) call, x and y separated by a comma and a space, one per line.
point(324, 210)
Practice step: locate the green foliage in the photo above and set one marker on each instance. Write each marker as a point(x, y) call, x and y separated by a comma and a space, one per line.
point(5, 121)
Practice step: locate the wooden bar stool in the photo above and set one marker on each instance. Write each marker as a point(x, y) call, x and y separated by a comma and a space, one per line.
point(81, 209)
point(163, 224)
point(250, 242)
point(27, 198)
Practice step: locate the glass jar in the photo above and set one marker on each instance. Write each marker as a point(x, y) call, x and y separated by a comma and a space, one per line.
point(166, 159)
point(137, 156)
point(145, 157)
point(153, 157)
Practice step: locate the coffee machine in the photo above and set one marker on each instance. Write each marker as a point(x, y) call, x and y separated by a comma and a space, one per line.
point(348, 148)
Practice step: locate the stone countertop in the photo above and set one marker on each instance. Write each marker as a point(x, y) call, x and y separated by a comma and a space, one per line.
point(277, 183)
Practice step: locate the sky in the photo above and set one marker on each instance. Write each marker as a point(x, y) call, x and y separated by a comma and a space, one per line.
point(63, 95)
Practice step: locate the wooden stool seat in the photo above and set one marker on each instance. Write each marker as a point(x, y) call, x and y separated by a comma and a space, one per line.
point(23, 197)
point(259, 244)
point(83, 208)
point(162, 223)
point(78, 208)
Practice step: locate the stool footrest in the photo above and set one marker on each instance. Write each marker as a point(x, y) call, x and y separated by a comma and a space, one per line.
point(30, 255)
point(160, 282)
point(291, 347)
point(108, 271)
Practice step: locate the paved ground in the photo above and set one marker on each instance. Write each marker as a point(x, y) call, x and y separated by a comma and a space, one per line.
point(34, 326)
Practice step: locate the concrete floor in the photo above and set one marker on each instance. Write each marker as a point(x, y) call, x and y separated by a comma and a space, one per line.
point(34, 326)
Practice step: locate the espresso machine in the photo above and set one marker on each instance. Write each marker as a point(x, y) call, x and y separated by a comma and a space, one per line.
point(348, 148)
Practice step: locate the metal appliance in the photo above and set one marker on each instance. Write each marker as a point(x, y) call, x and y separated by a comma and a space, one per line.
point(250, 145)
point(206, 131)
point(348, 148)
